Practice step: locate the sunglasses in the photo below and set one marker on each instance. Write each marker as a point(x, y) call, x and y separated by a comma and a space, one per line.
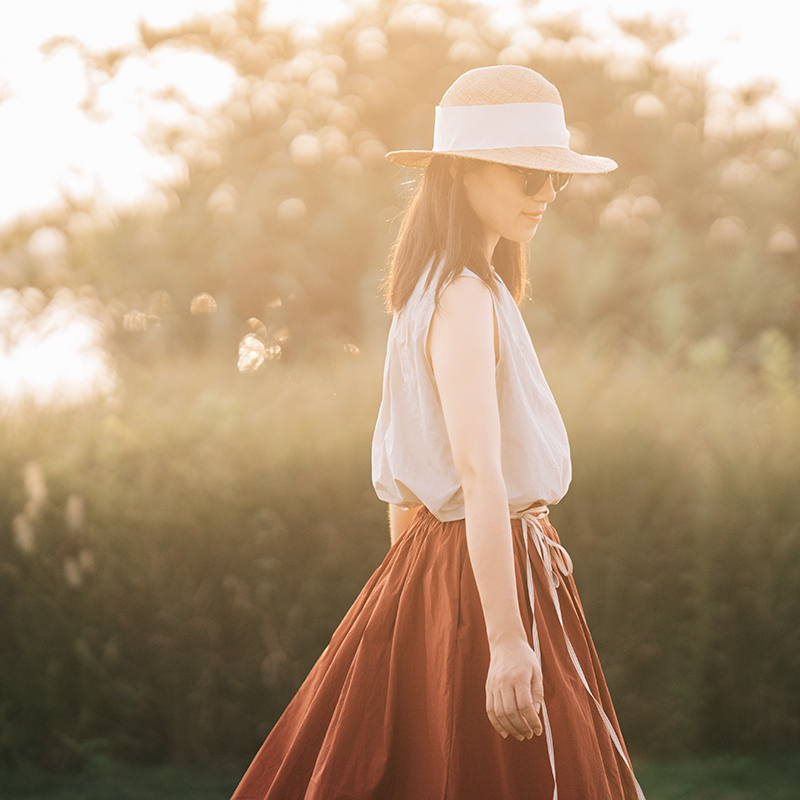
point(535, 179)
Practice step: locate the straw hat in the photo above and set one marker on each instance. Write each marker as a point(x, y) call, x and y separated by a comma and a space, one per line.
point(506, 114)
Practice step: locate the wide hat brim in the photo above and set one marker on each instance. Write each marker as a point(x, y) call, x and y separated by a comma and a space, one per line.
point(551, 159)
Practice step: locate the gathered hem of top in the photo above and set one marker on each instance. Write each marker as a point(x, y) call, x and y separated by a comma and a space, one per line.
point(453, 516)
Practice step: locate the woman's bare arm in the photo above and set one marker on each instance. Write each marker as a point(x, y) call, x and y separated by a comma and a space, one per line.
point(463, 358)
point(399, 520)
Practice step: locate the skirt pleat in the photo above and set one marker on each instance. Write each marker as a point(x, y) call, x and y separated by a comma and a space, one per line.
point(394, 709)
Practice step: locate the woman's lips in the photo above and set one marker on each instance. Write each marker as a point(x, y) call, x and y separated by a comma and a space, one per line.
point(532, 217)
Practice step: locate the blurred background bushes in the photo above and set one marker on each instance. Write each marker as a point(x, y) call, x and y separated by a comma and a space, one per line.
point(287, 208)
point(174, 559)
point(172, 565)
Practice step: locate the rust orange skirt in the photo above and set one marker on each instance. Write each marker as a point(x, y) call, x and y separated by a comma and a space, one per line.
point(394, 709)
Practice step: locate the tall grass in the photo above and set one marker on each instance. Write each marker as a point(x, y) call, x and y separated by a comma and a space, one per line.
point(684, 520)
point(229, 521)
point(173, 562)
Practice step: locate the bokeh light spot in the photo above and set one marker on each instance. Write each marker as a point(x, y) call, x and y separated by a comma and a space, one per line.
point(203, 303)
point(291, 209)
point(782, 241)
point(251, 353)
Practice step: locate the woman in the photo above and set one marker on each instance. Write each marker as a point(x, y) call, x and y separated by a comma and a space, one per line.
point(465, 669)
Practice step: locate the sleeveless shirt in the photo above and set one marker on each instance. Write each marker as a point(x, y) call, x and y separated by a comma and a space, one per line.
point(412, 462)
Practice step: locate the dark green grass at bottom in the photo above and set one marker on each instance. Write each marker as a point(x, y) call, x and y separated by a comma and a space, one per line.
point(119, 782)
point(718, 778)
point(721, 778)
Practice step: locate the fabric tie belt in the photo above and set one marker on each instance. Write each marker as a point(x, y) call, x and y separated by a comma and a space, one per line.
point(557, 562)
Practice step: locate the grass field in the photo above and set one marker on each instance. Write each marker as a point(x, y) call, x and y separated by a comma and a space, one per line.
point(108, 781)
point(174, 562)
point(718, 778)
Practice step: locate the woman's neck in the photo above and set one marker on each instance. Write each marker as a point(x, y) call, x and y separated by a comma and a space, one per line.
point(491, 244)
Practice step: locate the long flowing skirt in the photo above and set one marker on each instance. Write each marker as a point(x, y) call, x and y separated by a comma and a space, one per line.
point(394, 708)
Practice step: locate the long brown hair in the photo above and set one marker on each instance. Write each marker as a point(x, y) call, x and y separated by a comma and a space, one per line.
point(440, 226)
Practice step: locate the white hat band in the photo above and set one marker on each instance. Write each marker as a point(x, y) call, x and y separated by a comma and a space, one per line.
point(499, 126)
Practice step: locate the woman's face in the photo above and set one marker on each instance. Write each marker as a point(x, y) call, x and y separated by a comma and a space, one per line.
point(496, 194)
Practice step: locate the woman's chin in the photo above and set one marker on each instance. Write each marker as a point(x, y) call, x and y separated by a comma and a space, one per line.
point(526, 235)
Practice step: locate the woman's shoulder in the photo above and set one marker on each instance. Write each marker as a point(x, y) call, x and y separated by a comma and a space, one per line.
point(465, 309)
point(465, 276)
point(465, 289)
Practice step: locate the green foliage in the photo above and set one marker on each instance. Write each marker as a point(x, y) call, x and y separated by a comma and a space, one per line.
point(721, 778)
point(226, 531)
point(684, 512)
point(190, 548)
point(286, 206)
point(105, 780)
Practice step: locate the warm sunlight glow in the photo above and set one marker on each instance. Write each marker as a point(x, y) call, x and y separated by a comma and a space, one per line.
point(49, 148)
point(52, 352)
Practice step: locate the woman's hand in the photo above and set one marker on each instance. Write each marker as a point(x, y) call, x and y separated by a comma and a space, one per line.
point(514, 691)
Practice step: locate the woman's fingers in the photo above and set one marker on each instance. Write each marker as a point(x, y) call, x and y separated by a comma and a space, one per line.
point(501, 714)
point(513, 719)
point(510, 708)
point(514, 693)
point(515, 709)
point(526, 704)
point(536, 701)
point(496, 724)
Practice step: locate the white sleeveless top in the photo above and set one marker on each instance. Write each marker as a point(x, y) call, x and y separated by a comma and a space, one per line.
point(412, 463)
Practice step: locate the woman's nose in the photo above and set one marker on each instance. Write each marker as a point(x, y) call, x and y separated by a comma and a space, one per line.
point(547, 193)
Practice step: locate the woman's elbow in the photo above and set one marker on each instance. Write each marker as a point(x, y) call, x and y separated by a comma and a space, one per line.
point(480, 477)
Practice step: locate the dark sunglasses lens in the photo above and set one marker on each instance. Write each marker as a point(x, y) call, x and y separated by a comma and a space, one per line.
point(534, 180)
